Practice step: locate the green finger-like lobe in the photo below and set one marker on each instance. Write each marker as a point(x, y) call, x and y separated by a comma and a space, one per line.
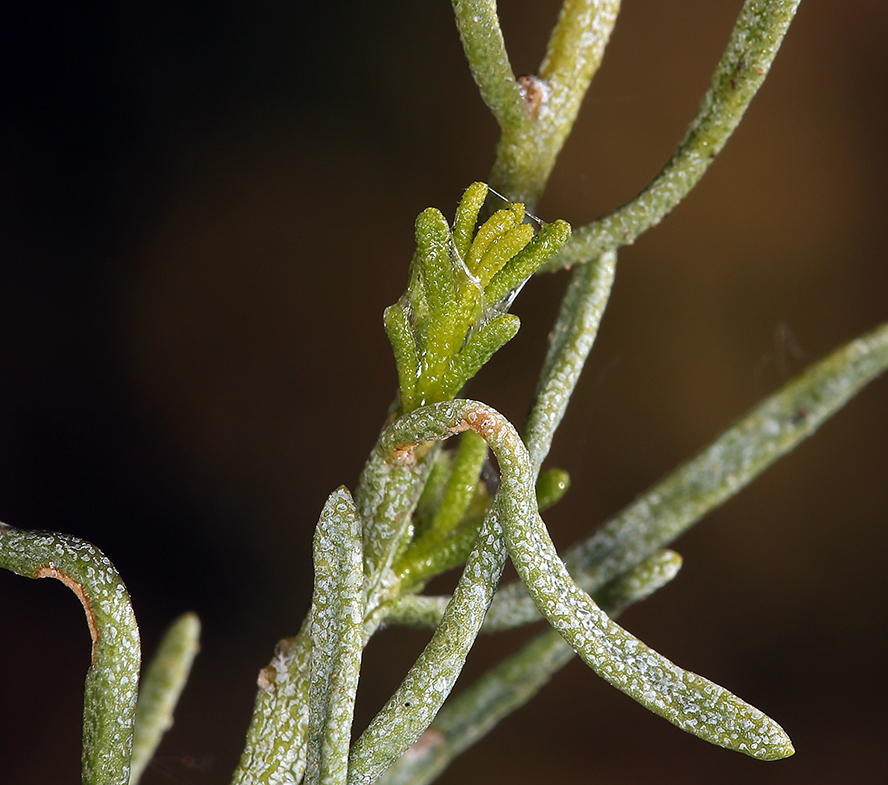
point(550, 239)
point(337, 614)
point(162, 685)
point(433, 249)
point(495, 226)
point(467, 216)
point(501, 250)
point(400, 335)
point(484, 342)
point(435, 328)
point(482, 40)
point(112, 681)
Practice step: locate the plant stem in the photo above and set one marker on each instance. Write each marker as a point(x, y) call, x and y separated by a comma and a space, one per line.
point(482, 40)
point(745, 63)
point(569, 345)
point(337, 613)
point(469, 716)
point(276, 740)
point(527, 150)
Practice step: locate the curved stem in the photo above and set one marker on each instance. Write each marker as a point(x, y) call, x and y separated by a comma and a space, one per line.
point(473, 713)
point(752, 47)
point(689, 701)
point(677, 502)
point(112, 681)
point(414, 704)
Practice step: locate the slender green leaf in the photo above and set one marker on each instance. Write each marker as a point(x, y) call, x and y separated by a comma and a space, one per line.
point(483, 343)
point(162, 685)
point(467, 216)
point(751, 49)
point(400, 335)
point(570, 342)
point(337, 613)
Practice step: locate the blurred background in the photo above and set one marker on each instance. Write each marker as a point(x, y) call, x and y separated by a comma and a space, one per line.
point(205, 208)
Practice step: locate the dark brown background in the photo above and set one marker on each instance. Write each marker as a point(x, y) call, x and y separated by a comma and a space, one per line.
point(205, 209)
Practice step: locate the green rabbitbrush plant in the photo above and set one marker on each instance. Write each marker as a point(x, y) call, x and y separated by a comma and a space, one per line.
point(419, 509)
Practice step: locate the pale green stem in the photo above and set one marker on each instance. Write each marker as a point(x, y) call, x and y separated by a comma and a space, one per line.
point(569, 345)
point(386, 496)
point(740, 454)
point(527, 150)
point(482, 40)
point(337, 612)
point(428, 683)
point(407, 714)
point(276, 741)
point(752, 47)
point(112, 681)
point(687, 700)
point(469, 716)
point(162, 685)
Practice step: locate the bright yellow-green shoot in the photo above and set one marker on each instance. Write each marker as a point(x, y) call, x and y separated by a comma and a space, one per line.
point(452, 318)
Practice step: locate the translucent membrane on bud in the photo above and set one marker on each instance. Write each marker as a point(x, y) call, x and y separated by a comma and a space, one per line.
point(452, 318)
